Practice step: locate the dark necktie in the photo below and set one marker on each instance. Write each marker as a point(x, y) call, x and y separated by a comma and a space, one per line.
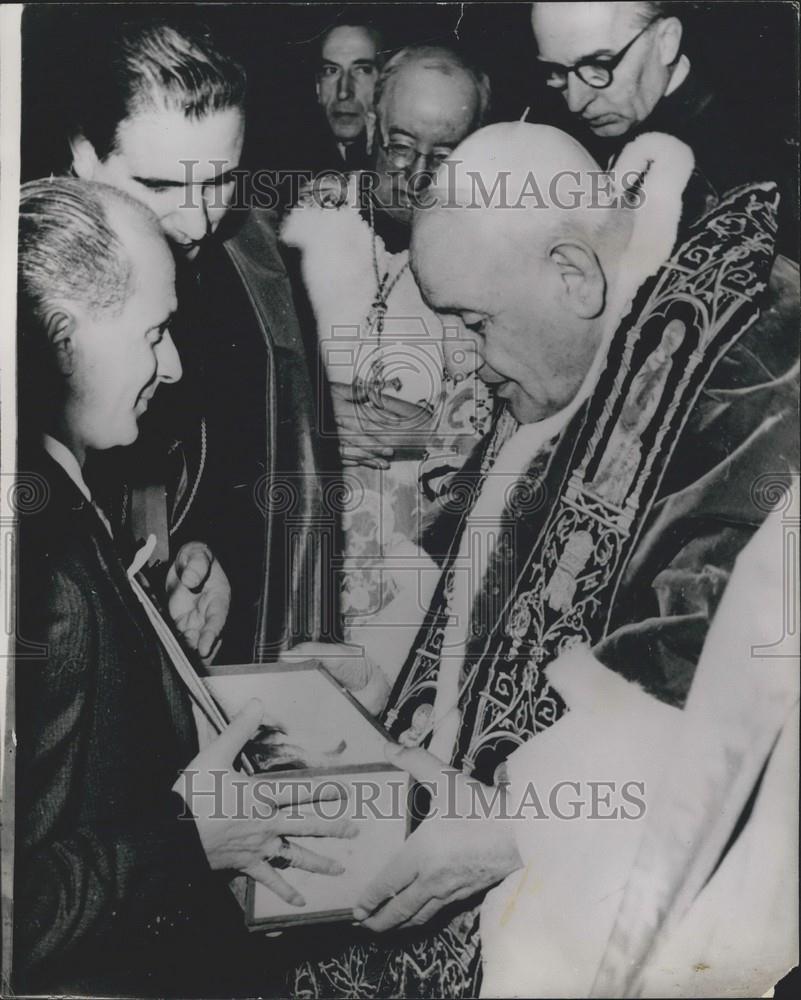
point(354, 156)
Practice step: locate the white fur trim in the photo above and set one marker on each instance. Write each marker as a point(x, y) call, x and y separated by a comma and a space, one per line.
point(338, 271)
point(667, 164)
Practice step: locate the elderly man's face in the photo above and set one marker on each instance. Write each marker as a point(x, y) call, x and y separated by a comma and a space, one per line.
point(181, 168)
point(346, 80)
point(423, 117)
point(521, 334)
point(118, 358)
point(567, 33)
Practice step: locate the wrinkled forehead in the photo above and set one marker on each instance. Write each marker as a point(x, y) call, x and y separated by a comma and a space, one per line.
point(568, 32)
point(348, 44)
point(454, 259)
point(430, 104)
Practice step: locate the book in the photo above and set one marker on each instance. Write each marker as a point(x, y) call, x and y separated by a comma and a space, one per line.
point(315, 732)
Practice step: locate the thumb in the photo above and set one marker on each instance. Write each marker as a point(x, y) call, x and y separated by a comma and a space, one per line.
point(236, 734)
point(422, 765)
point(194, 564)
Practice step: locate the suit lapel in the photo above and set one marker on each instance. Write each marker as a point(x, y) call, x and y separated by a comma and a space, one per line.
point(90, 525)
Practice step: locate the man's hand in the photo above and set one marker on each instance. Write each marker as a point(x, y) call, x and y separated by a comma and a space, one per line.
point(445, 859)
point(351, 668)
point(198, 597)
point(368, 431)
point(244, 821)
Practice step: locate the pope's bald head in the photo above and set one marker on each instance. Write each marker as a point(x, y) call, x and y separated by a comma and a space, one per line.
point(513, 187)
point(523, 224)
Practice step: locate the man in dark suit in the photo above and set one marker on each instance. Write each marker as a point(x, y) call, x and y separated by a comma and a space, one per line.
point(117, 864)
point(336, 136)
point(346, 78)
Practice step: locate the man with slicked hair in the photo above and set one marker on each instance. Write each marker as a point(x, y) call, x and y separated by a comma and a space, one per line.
point(228, 471)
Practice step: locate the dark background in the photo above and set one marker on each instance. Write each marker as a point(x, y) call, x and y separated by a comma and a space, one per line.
point(748, 51)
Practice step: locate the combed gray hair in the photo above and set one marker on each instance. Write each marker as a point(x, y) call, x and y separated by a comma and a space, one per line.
point(444, 60)
point(67, 253)
point(67, 250)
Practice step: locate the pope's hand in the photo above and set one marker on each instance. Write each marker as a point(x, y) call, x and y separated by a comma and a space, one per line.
point(198, 597)
point(350, 667)
point(243, 821)
point(460, 850)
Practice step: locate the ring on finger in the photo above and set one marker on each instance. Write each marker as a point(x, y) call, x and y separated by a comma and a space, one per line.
point(282, 858)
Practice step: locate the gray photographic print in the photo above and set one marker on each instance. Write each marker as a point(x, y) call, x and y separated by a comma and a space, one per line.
point(399, 499)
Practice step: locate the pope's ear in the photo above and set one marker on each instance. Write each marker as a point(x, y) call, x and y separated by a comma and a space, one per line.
point(84, 158)
point(59, 328)
point(581, 278)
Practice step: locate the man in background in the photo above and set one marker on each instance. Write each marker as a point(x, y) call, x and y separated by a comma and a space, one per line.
point(622, 70)
point(346, 77)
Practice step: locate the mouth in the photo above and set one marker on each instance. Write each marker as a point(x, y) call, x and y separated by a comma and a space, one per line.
point(599, 121)
point(493, 379)
point(143, 399)
point(188, 248)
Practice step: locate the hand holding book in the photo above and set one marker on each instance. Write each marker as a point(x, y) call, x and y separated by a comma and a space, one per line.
point(242, 821)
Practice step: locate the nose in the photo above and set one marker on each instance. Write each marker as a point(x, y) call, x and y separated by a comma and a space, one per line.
point(193, 217)
point(345, 86)
point(169, 368)
point(578, 95)
point(419, 174)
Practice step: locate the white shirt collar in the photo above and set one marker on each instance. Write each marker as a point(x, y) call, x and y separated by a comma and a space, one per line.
point(69, 463)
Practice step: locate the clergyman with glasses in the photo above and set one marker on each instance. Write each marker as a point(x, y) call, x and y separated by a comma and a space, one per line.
point(622, 70)
point(405, 424)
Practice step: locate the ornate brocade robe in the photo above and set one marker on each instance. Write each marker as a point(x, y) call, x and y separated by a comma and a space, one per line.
point(620, 534)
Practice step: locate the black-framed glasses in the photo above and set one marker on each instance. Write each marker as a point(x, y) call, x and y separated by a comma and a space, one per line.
point(403, 156)
point(596, 73)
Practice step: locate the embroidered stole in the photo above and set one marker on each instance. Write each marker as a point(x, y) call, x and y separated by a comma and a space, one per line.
point(594, 488)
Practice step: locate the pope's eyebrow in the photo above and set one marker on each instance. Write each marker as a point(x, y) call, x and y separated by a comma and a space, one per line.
point(164, 324)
